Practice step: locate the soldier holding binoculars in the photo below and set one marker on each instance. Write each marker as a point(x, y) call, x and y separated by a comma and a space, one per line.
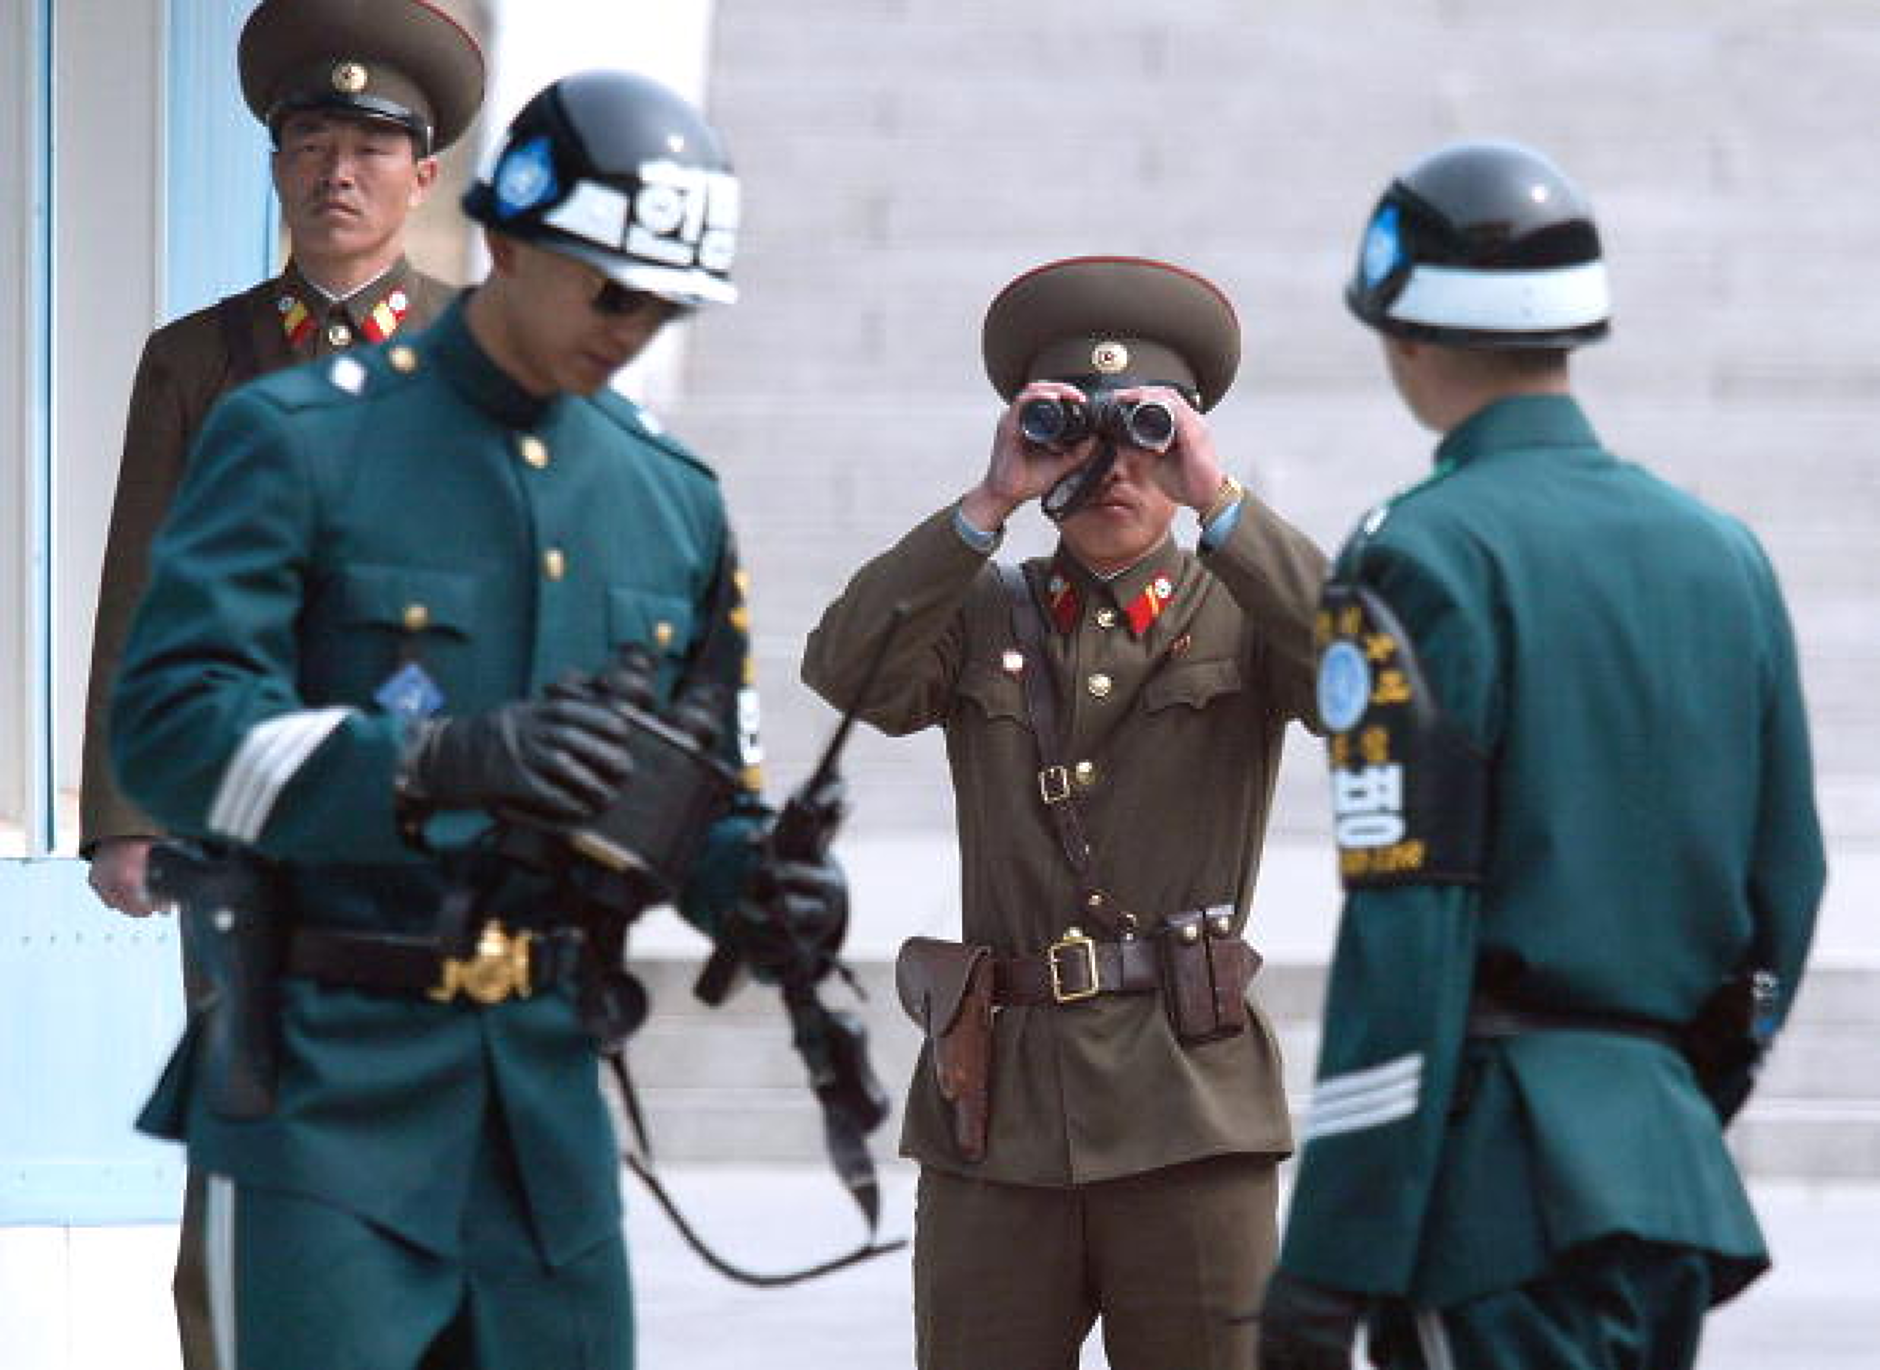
point(1103, 1145)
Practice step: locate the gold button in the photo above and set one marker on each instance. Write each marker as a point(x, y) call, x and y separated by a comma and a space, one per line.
point(338, 334)
point(417, 618)
point(1191, 933)
point(1012, 662)
point(533, 449)
point(1222, 925)
point(1094, 900)
point(1099, 685)
point(554, 563)
point(1106, 617)
point(662, 634)
point(1085, 772)
point(403, 360)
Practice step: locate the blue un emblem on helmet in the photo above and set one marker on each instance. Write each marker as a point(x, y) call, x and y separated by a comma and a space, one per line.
point(525, 178)
point(1383, 246)
point(1344, 686)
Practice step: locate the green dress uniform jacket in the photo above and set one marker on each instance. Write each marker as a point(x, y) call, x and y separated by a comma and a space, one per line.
point(1622, 657)
point(186, 367)
point(339, 520)
point(1176, 680)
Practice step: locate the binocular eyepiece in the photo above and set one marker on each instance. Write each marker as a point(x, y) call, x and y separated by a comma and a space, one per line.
point(1054, 422)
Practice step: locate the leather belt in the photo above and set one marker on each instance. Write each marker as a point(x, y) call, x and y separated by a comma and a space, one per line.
point(1491, 1016)
point(502, 965)
point(1076, 967)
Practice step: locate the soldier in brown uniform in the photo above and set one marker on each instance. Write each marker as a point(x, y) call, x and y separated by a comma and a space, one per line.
point(1104, 1142)
point(358, 96)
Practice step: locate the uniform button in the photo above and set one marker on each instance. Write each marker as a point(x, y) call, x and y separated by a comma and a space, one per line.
point(662, 634)
point(338, 334)
point(1085, 772)
point(1106, 617)
point(1191, 933)
point(533, 449)
point(554, 563)
point(403, 360)
point(1094, 900)
point(417, 618)
point(1099, 685)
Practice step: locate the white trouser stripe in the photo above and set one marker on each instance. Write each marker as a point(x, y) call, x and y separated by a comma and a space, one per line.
point(1433, 1338)
point(218, 1236)
point(1516, 301)
point(269, 757)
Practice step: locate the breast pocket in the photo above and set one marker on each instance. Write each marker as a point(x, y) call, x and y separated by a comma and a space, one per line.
point(659, 621)
point(994, 694)
point(1194, 685)
point(390, 615)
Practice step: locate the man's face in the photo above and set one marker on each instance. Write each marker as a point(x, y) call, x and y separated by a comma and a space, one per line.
point(1127, 520)
point(570, 327)
point(347, 184)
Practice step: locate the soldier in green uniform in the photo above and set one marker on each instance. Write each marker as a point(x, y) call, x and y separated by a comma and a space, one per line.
point(1575, 817)
point(364, 608)
point(358, 96)
point(1104, 1143)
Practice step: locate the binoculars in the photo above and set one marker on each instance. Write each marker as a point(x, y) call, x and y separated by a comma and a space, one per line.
point(1052, 422)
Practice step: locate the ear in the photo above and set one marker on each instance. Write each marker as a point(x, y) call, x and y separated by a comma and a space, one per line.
point(424, 176)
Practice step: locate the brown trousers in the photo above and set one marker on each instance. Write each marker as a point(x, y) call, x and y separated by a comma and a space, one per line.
point(1014, 1276)
point(190, 1286)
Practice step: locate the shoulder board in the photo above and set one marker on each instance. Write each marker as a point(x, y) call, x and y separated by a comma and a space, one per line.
point(644, 425)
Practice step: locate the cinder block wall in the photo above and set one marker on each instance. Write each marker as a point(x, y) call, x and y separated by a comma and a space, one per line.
point(904, 158)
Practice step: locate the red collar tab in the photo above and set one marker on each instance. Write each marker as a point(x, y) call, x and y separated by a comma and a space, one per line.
point(1063, 600)
point(382, 320)
point(1149, 603)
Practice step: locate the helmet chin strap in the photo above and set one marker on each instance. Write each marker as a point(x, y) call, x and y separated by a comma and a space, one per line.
point(1079, 485)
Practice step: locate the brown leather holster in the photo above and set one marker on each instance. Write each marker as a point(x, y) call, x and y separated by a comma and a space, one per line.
point(946, 988)
point(1205, 973)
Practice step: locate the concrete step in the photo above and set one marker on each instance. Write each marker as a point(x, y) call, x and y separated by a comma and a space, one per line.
point(724, 1085)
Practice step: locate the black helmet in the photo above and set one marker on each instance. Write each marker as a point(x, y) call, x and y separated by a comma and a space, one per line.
point(1483, 245)
point(618, 171)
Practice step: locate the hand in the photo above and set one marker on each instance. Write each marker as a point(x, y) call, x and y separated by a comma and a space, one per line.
point(790, 920)
point(1190, 471)
point(1020, 471)
point(1305, 1326)
point(118, 868)
point(560, 758)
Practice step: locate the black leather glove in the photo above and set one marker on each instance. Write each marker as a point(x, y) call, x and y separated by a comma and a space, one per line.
point(789, 922)
point(1305, 1326)
point(559, 759)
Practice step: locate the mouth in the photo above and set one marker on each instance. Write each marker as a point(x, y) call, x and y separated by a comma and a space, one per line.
point(333, 208)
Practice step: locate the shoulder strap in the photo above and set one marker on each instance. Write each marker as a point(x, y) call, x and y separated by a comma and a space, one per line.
point(238, 339)
point(1054, 781)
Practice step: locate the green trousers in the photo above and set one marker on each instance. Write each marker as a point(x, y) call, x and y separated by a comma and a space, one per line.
point(295, 1284)
point(1012, 1277)
point(1618, 1304)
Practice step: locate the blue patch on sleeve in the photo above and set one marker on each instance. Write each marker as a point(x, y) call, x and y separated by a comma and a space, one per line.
point(409, 693)
point(1344, 686)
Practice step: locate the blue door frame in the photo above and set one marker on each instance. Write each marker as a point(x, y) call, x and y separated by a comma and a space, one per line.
point(94, 1000)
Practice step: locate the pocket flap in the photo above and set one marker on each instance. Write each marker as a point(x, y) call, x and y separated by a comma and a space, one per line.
point(998, 694)
point(663, 622)
point(411, 598)
point(1193, 683)
point(932, 976)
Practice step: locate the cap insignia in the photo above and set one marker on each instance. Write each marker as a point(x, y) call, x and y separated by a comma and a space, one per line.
point(525, 178)
point(349, 78)
point(1109, 357)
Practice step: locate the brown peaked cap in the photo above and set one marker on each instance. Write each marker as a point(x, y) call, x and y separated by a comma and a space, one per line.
point(1065, 321)
point(403, 60)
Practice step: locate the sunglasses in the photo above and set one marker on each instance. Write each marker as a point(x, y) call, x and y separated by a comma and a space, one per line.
point(616, 301)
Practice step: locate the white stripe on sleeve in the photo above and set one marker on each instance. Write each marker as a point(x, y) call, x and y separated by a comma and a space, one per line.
point(270, 756)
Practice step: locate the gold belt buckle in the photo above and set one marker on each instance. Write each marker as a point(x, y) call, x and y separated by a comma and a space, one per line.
point(1072, 940)
point(498, 969)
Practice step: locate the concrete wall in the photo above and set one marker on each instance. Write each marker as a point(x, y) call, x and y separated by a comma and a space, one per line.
point(904, 158)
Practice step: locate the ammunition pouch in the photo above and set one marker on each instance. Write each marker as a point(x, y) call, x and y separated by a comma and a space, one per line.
point(234, 933)
point(947, 989)
point(1206, 970)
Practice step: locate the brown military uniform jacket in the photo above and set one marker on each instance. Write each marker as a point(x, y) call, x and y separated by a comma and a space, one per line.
point(186, 367)
point(1176, 680)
